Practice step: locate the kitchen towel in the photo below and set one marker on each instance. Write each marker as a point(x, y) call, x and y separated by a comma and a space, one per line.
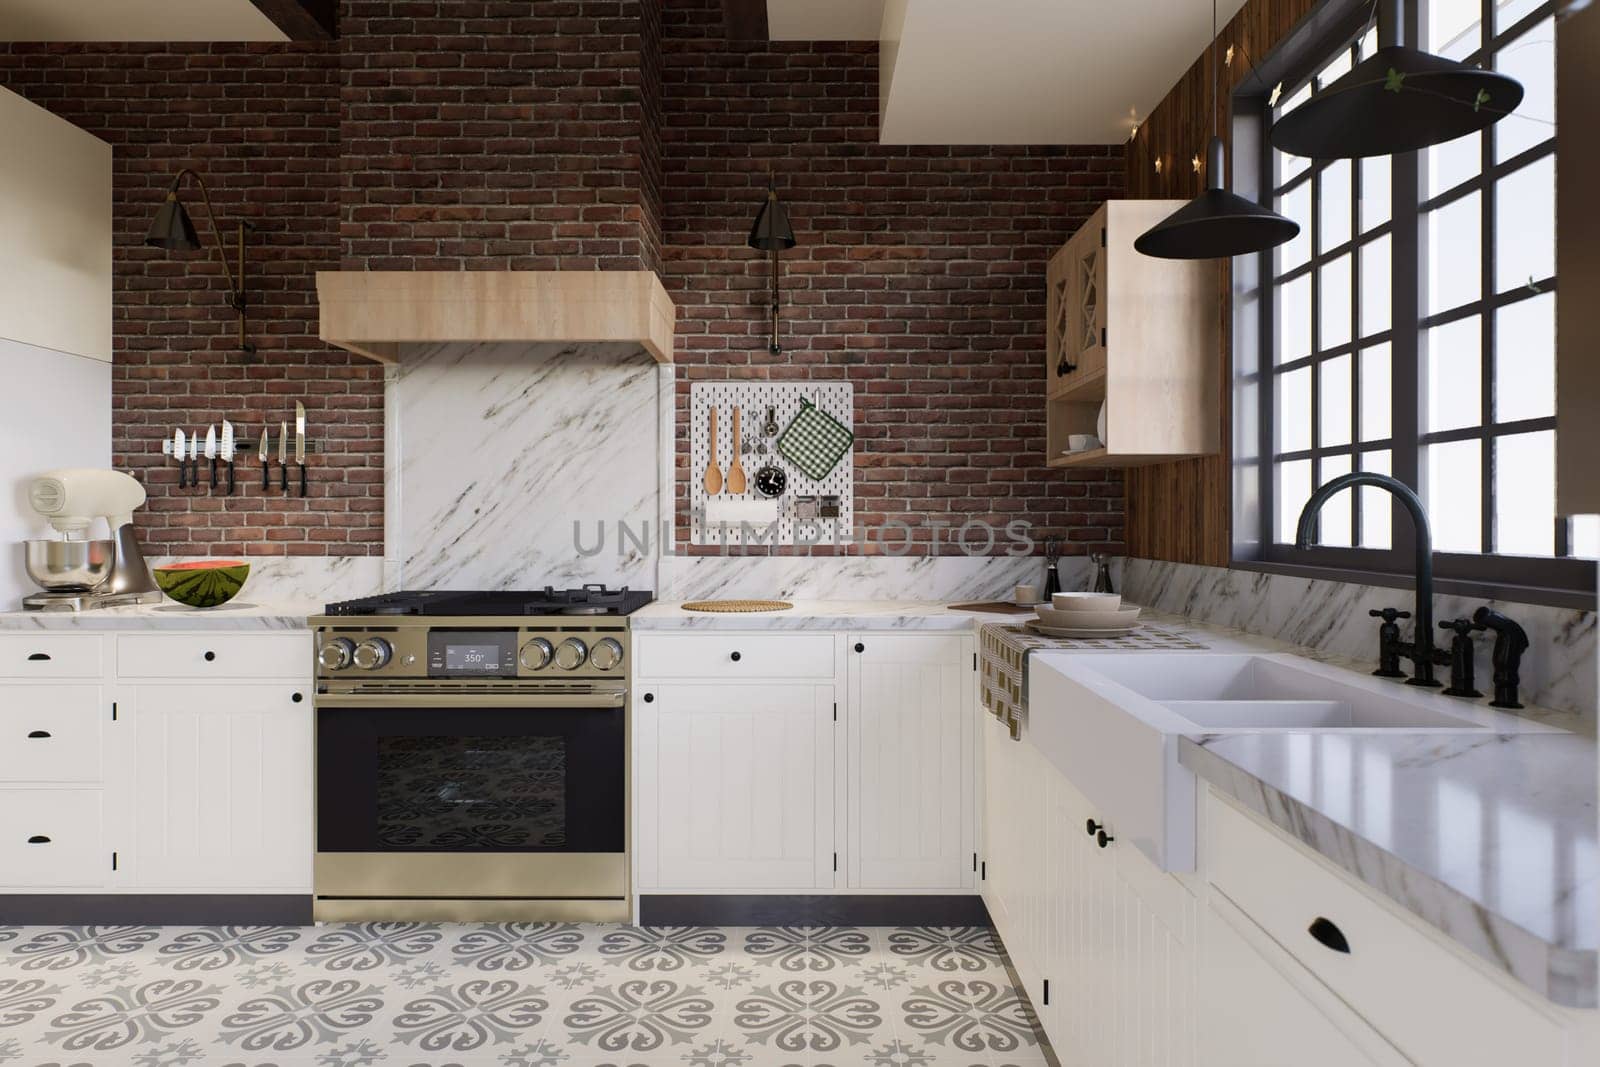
point(815, 441)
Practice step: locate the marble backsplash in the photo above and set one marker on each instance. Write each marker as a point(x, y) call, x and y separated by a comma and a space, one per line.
point(293, 579)
point(1558, 670)
point(928, 578)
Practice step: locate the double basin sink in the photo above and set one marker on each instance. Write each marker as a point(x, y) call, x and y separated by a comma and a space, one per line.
point(1112, 723)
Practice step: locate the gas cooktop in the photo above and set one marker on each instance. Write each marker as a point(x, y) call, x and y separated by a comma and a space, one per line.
point(589, 600)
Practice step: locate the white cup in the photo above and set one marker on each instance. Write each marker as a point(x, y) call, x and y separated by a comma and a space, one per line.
point(1025, 596)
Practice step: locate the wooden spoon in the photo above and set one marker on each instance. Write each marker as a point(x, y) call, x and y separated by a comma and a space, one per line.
point(713, 481)
point(736, 471)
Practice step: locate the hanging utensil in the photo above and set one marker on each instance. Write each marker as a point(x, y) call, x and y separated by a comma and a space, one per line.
point(183, 462)
point(736, 470)
point(194, 459)
point(300, 442)
point(266, 460)
point(227, 451)
point(211, 452)
point(713, 478)
point(769, 428)
point(283, 457)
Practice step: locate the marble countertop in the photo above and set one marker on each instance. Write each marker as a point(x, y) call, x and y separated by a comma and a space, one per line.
point(821, 615)
point(170, 615)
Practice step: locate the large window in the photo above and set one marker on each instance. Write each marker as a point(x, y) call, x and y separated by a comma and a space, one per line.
point(1410, 328)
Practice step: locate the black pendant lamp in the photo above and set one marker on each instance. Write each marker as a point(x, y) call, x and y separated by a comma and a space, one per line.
point(772, 233)
point(1396, 100)
point(173, 229)
point(1216, 224)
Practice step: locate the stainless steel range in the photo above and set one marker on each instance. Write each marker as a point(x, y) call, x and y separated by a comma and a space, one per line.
point(472, 756)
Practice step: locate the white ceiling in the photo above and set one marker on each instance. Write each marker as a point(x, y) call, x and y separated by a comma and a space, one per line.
point(1015, 71)
point(135, 20)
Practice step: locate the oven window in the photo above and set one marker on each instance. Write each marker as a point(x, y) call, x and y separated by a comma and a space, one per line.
point(442, 793)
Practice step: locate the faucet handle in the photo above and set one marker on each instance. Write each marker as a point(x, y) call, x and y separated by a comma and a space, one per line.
point(1462, 627)
point(1389, 614)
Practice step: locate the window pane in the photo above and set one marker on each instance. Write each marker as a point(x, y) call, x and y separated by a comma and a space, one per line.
point(1337, 518)
point(1525, 225)
point(1454, 27)
point(1334, 204)
point(1377, 394)
point(1296, 205)
point(1293, 410)
point(1454, 354)
point(1531, 59)
point(1287, 165)
point(1293, 490)
point(1455, 495)
point(1451, 163)
point(1455, 251)
point(1334, 294)
point(1376, 287)
point(1333, 402)
point(1525, 359)
point(1375, 183)
point(1584, 541)
point(1525, 494)
point(1294, 319)
point(1368, 43)
point(1337, 68)
point(1376, 504)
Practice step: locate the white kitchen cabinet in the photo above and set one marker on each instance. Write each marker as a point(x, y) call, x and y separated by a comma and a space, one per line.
point(222, 787)
point(910, 761)
point(52, 733)
point(53, 838)
point(735, 787)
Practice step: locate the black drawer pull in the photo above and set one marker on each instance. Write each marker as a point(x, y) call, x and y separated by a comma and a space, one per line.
point(1103, 838)
point(1329, 935)
point(297, 697)
point(33, 734)
point(860, 647)
point(38, 839)
point(39, 656)
point(1094, 827)
point(649, 698)
point(736, 657)
point(210, 656)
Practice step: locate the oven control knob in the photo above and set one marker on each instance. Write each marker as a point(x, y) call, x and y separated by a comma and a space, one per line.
point(607, 654)
point(372, 653)
point(536, 654)
point(572, 654)
point(336, 653)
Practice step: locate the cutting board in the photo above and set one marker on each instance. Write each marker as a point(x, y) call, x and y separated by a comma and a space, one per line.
point(1000, 607)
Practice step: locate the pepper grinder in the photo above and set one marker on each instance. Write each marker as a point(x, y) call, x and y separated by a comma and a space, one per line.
point(1101, 582)
point(1052, 574)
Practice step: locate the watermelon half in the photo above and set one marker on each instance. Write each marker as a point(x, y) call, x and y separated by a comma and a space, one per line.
point(204, 583)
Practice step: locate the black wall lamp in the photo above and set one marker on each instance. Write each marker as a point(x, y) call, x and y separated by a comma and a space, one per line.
point(174, 230)
point(772, 233)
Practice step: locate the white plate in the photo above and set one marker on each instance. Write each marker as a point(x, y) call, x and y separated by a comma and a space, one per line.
point(1081, 601)
point(1078, 631)
point(1089, 619)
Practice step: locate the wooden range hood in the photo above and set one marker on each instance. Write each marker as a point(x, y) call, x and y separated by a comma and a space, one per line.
point(373, 313)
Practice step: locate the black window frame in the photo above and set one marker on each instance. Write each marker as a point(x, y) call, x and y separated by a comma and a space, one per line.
point(1560, 580)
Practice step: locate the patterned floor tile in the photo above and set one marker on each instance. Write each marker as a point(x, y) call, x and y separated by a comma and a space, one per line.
point(509, 995)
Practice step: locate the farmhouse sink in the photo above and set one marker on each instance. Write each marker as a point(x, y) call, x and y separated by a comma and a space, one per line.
point(1112, 721)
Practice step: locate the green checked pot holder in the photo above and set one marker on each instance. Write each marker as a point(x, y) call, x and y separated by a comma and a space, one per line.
point(814, 441)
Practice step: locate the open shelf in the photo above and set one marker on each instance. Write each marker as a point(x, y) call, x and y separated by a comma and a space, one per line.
point(1086, 386)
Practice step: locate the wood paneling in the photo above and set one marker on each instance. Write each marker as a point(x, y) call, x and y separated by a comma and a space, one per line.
point(1181, 511)
point(1578, 267)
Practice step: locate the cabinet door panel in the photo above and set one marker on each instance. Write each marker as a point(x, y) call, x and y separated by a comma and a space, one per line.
point(223, 787)
point(910, 784)
point(741, 794)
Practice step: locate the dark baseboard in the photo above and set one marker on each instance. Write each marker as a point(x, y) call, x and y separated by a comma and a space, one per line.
point(155, 909)
point(819, 910)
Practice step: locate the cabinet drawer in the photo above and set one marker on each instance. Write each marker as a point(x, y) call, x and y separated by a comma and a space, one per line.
point(51, 733)
point(285, 656)
point(1434, 1006)
point(51, 837)
point(742, 657)
point(48, 655)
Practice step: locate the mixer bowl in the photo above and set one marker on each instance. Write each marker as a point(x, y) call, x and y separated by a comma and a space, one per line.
point(70, 566)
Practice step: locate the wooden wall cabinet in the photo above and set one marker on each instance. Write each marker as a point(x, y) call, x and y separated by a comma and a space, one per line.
point(1140, 335)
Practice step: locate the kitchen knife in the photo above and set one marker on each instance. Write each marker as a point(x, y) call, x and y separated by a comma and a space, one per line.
point(194, 459)
point(300, 442)
point(266, 459)
point(283, 456)
point(211, 451)
point(227, 451)
point(183, 461)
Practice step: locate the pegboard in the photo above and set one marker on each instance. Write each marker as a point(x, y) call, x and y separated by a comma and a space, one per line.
point(753, 398)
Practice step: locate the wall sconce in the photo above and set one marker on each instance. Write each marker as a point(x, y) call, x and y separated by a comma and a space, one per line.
point(174, 230)
point(772, 233)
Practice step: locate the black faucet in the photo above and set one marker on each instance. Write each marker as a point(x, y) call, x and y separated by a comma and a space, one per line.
point(1510, 642)
point(1420, 651)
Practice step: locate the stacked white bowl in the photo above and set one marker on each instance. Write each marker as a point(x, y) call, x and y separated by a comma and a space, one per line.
point(1087, 612)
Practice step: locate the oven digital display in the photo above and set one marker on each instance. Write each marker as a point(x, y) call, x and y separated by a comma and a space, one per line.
point(472, 657)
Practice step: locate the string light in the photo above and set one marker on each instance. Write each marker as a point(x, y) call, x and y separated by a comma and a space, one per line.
point(1195, 163)
point(1158, 164)
point(1277, 93)
point(1227, 58)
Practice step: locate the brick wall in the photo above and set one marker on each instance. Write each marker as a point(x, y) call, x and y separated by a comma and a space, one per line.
point(260, 123)
point(919, 276)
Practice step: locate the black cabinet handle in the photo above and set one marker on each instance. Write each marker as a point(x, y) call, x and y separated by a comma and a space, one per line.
point(860, 647)
point(210, 656)
point(297, 697)
point(1094, 827)
point(34, 734)
point(1329, 935)
point(38, 839)
point(649, 698)
point(1104, 838)
point(735, 657)
point(38, 656)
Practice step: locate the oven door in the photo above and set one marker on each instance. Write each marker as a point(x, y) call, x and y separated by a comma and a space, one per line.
point(427, 793)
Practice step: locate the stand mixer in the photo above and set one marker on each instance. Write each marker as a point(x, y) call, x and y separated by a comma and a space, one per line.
point(75, 571)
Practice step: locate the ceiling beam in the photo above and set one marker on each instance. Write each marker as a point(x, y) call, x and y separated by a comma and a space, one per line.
point(302, 20)
point(745, 20)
